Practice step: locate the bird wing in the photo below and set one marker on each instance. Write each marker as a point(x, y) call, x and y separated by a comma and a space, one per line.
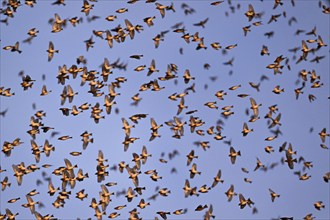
point(51, 46)
point(245, 127)
point(130, 28)
point(100, 155)
point(44, 89)
point(232, 150)
point(125, 122)
point(219, 174)
point(153, 123)
point(251, 9)
point(67, 163)
point(109, 38)
point(50, 186)
point(162, 12)
point(241, 198)
point(253, 102)
point(104, 189)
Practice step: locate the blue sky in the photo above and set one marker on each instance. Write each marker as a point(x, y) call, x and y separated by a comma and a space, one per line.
point(298, 116)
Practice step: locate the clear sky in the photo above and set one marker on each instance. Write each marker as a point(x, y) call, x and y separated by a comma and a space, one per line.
point(301, 120)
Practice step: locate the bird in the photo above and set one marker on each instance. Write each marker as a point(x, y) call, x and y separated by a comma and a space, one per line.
point(114, 215)
point(30, 204)
point(230, 193)
point(14, 48)
point(13, 200)
point(181, 106)
point(127, 127)
point(163, 214)
point(90, 43)
point(161, 9)
point(233, 154)
point(194, 171)
point(152, 68)
point(269, 149)
point(264, 51)
point(246, 129)
point(250, 13)
point(278, 90)
point(201, 44)
point(326, 177)
point(5, 183)
point(243, 202)
point(274, 18)
point(202, 23)
point(201, 207)
point(86, 8)
point(10, 215)
point(44, 91)
point(187, 77)
point(75, 20)
point(319, 205)
point(149, 20)
point(275, 121)
point(246, 29)
point(259, 165)
point(129, 27)
point(216, 3)
point(111, 17)
point(323, 134)
point(190, 157)
point(273, 195)
point(216, 46)
point(51, 51)
point(217, 179)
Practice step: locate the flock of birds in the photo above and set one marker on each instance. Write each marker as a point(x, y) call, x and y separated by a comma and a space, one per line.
point(103, 85)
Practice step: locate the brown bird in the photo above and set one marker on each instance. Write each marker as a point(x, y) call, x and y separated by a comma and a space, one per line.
point(273, 195)
point(14, 48)
point(246, 130)
point(243, 202)
point(233, 154)
point(250, 13)
point(259, 165)
point(51, 51)
point(319, 205)
point(149, 21)
point(152, 68)
point(30, 204)
point(202, 23)
point(217, 179)
point(230, 193)
point(5, 183)
point(323, 134)
point(216, 3)
point(87, 7)
point(193, 171)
